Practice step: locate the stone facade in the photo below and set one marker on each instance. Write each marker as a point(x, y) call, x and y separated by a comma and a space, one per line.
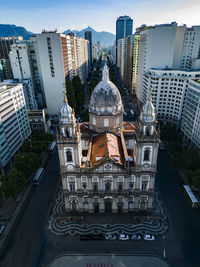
point(111, 171)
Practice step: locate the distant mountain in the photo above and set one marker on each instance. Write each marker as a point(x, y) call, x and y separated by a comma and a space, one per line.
point(13, 30)
point(106, 38)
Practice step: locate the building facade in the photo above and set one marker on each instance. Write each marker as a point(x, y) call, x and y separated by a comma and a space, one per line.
point(107, 164)
point(88, 36)
point(14, 124)
point(38, 121)
point(190, 123)
point(169, 89)
point(124, 28)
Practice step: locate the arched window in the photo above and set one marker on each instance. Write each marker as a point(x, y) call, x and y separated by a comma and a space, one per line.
point(146, 154)
point(69, 156)
point(107, 187)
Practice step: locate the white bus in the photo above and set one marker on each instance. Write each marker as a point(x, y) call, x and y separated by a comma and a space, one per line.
point(52, 146)
point(191, 197)
point(38, 176)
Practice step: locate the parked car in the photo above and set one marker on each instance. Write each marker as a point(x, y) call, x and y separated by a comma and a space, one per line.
point(125, 113)
point(132, 112)
point(123, 237)
point(136, 237)
point(85, 237)
point(97, 237)
point(149, 237)
point(110, 237)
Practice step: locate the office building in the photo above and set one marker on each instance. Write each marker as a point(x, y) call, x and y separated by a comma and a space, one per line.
point(124, 28)
point(14, 124)
point(190, 123)
point(107, 164)
point(38, 121)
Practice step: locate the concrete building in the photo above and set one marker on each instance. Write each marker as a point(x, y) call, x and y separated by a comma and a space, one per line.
point(107, 164)
point(181, 46)
point(135, 61)
point(169, 89)
point(53, 55)
point(190, 123)
point(88, 36)
point(5, 47)
point(124, 28)
point(14, 124)
point(125, 59)
point(38, 121)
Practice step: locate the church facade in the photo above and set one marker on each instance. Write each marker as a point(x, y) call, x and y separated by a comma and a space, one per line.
point(107, 164)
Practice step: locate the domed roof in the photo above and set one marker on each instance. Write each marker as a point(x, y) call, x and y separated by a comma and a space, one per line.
point(105, 98)
point(66, 112)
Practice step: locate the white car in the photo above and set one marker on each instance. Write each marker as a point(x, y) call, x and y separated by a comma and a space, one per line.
point(125, 113)
point(123, 237)
point(149, 237)
point(110, 237)
point(132, 112)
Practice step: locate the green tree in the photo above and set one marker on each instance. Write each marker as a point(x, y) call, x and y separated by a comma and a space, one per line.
point(13, 183)
point(71, 94)
point(194, 178)
point(27, 163)
point(79, 93)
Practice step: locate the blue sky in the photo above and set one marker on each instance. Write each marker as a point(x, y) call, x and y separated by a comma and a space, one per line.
point(36, 15)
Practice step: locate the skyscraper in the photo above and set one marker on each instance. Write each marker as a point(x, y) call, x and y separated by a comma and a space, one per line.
point(124, 28)
point(88, 36)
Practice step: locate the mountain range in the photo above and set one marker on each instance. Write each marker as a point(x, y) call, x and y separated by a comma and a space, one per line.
point(106, 38)
point(13, 30)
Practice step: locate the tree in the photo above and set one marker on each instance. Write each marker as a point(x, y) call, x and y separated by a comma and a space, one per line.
point(27, 163)
point(194, 179)
point(79, 93)
point(71, 94)
point(13, 183)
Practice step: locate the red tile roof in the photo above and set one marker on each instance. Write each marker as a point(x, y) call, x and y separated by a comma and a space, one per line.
point(107, 144)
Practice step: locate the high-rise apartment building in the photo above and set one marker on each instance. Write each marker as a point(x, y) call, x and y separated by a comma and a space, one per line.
point(169, 89)
point(5, 47)
point(181, 46)
point(190, 123)
point(124, 28)
point(14, 124)
point(125, 59)
point(88, 36)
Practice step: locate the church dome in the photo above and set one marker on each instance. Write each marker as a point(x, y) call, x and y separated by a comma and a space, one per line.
point(148, 113)
point(105, 99)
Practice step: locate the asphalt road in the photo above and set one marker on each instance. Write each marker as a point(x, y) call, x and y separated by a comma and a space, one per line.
point(24, 245)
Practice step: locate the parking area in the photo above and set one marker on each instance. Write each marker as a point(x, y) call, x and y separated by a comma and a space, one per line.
point(108, 261)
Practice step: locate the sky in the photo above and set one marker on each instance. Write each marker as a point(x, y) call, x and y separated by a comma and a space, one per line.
point(101, 15)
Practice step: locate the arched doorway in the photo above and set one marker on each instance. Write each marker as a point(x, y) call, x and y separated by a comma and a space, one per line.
point(74, 206)
point(96, 208)
point(120, 208)
point(143, 205)
point(108, 206)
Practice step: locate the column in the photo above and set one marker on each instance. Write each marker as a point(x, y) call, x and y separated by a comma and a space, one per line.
point(114, 205)
point(101, 205)
point(91, 206)
point(67, 204)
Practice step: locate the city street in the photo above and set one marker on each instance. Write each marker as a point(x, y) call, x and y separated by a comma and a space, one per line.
point(24, 245)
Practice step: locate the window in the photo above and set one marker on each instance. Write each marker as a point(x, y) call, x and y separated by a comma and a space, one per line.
point(84, 186)
point(67, 132)
point(95, 187)
point(106, 122)
point(117, 120)
point(72, 186)
point(69, 156)
point(146, 154)
point(144, 185)
point(107, 187)
point(94, 121)
point(120, 188)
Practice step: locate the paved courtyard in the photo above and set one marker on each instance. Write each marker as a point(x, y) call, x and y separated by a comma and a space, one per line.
point(102, 223)
point(108, 261)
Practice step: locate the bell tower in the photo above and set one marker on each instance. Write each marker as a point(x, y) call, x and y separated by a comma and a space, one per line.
point(68, 139)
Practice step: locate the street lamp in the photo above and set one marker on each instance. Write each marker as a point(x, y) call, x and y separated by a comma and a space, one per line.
point(2, 191)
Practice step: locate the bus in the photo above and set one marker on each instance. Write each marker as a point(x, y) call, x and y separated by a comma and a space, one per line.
point(52, 146)
point(191, 197)
point(38, 176)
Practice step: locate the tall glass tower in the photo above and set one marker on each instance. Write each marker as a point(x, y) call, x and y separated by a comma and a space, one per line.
point(124, 28)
